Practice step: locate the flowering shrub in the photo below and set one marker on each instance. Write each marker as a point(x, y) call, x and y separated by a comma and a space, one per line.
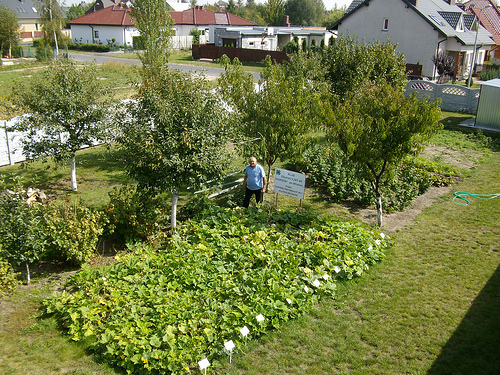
point(162, 311)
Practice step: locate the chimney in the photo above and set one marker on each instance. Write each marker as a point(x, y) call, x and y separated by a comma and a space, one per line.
point(286, 21)
point(413, 2)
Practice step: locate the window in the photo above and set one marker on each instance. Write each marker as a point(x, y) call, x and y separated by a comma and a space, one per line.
point(385, 27)
point(437, 20)
point(96, 34)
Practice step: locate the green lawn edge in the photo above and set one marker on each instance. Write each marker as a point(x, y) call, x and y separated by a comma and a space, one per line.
point(430, 307)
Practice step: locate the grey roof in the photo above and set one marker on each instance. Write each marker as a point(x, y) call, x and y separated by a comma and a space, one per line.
point(353, 5)
point(22, 8)
point(445, 18)
point(492, 82)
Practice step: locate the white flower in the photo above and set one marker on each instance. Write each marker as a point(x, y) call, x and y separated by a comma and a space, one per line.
point(370, 248)
point(359, 254)
point(378, 242)
point(260, 317)
point(382, 235)
point(326, 277)
point(306, 289)
point(316, 283)
point(337, 269)
point(289, 301)
point(104, 278)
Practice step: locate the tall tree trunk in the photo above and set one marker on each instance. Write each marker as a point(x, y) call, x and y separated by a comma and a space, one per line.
point(268, 177)
point(28, 278)
point(173, 216)
point(73, 174)
point(379, 210)
point(55, 41)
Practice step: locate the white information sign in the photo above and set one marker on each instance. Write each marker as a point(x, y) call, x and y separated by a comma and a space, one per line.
point(289, 183)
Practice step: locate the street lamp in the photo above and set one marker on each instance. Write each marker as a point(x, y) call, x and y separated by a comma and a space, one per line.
point(473, 61)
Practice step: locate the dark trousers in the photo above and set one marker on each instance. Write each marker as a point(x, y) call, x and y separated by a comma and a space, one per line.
point(259, 196)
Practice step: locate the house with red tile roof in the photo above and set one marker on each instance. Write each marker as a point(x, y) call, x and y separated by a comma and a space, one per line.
point(114, 22)
point(488, 14)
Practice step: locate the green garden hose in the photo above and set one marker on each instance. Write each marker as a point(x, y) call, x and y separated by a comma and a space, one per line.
point(463, 194)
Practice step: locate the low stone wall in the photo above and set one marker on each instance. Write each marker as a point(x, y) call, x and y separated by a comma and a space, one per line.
point(454, 98)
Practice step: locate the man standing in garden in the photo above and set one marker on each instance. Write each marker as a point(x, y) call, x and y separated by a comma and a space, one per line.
point(255, 181)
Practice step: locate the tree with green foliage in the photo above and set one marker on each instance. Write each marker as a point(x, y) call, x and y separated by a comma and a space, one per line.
point(274, 12)
point(376, 126)
point(155, 25)
point(305, 12)
point(333, 15)
point(75, 11)
point(52, 19)
point(350, 64)
point(304, 45)
point(21, 239)
point(231, 7)
point(65, 111)
point(281, 111)
point(9, 30)
point(176, 135)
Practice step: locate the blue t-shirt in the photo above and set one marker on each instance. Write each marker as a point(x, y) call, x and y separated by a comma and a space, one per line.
point(254, 177)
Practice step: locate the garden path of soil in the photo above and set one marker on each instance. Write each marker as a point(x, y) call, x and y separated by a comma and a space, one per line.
point(396, 221)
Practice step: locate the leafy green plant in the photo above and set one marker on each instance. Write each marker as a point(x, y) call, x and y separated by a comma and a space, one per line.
point(342, 179)
point(21, 237)
point(486, 75)
point(72, 231)
point(134, 214)
point(8, 278)
point(162, 311)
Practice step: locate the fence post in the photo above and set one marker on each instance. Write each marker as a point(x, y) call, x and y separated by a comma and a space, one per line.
point(11, 162)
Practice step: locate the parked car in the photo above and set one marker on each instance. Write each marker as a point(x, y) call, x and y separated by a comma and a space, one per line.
point(414, 77)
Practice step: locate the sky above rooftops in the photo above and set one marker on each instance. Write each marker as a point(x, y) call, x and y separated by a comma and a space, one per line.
point(329, 4)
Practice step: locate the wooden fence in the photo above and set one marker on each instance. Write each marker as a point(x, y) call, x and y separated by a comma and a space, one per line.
point(211, 51)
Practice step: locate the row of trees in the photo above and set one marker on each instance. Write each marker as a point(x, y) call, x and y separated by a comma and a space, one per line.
point(176, 133)
point(272, 12)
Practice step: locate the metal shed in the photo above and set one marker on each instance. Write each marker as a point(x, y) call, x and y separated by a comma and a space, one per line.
point(488, 109)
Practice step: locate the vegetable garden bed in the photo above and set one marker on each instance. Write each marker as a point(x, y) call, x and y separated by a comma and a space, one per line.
point(164, 310)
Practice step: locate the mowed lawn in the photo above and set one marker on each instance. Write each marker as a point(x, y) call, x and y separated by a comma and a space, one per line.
point(432, 306)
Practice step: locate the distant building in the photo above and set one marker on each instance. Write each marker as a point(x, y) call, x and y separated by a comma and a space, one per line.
point(27, 16)
point(268, 38)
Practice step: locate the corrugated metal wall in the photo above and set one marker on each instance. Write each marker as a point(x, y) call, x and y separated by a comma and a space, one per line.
point(488, 110)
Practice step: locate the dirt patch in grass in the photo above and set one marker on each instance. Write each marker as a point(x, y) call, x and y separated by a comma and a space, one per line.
point(462, 159)
point(396, 221)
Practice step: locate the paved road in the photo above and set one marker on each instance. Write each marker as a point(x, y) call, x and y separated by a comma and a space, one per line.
point(101, 58)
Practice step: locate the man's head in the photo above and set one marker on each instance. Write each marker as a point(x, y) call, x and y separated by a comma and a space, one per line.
point(252, 161)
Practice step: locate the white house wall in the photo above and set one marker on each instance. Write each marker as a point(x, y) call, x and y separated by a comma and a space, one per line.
point(122, 34)
point(415, 37)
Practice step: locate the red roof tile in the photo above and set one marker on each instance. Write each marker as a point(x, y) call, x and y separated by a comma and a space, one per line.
point(112, 16)
point(116, 16)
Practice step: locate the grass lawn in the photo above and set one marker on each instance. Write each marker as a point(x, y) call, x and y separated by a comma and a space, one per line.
point(430, 307)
